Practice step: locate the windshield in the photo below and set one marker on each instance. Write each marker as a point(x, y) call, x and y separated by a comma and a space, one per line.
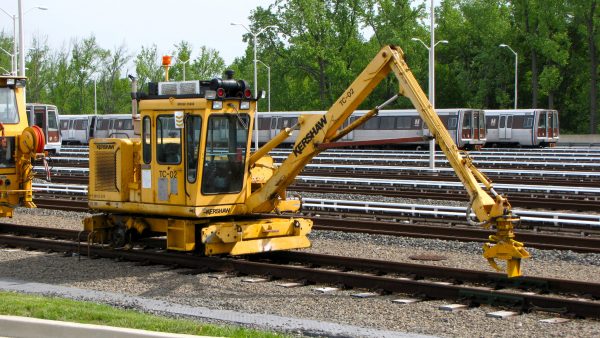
point(225, 155)
point(8, 106)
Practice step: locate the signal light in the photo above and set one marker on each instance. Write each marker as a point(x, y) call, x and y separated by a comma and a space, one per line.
point(247, 93)
point(166, 60)
point(1, 182)
point(221, 92)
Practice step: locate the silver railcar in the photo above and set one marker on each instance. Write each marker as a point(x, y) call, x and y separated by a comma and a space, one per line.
point(466, 127)
point(80, 129)
point(522, 127)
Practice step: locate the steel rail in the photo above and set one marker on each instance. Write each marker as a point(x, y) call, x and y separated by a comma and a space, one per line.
point(384, 284)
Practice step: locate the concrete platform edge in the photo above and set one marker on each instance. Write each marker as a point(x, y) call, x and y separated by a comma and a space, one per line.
point(25, 327)
point(264, 321)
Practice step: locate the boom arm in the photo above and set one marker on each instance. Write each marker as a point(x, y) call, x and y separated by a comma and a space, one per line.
point(491, 210)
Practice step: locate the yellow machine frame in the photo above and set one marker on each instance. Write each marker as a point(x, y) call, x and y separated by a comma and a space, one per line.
point(19, 145)
point(141, 197)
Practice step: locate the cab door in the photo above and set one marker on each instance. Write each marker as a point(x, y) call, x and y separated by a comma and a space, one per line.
point(168, 165)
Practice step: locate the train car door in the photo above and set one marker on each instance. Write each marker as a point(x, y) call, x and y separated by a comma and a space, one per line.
point(476, 125)
point(273, 127)
point(555, 125)
point(505, 127)
point(52, 133)
point(467, 125)
point(40, 118)
point(542, 127)
point(550, 125)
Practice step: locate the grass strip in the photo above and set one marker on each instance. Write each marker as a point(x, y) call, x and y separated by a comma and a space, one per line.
point(17, 304)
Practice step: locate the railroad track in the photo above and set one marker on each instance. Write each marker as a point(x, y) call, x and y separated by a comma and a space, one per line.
point(384, 277)
point(564, 197)
point(578, 240)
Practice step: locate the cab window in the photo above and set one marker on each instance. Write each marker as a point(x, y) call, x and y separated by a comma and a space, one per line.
point(168, 140)
point(8, 106)
point(193, 128)
point(146, 140)
point(225, 154)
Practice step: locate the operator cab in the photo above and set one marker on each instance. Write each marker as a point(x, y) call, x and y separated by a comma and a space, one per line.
point(195, 137)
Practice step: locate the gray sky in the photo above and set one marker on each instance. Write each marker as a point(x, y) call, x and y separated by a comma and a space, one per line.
point(138, 23)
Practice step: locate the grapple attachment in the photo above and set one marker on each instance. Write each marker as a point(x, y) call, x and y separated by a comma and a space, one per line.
point(504, 247)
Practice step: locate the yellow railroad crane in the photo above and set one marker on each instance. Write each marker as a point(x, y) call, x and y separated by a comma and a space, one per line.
point(191, 176)
point(19, 145)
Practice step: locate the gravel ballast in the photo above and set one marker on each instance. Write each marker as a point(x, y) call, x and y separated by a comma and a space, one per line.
point(231, 293)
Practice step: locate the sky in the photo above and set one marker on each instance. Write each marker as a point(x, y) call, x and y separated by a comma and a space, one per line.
point(137, 23)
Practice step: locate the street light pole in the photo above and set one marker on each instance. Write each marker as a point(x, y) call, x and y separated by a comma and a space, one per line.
point(516, 70)
point(21, 41)
point(431, 50)
point(21, 53)
point(13, 56)
point(268, 85)
point(254, 35)
point(184, 63)
point(95, 98)
point(431, 85)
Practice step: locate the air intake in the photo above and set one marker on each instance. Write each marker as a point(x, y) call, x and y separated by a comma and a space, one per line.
point(179, 88)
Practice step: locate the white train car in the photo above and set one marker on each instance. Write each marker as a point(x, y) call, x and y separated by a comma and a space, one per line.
point(80, 129)
point(466, 126)
point(77, 129)
point(114, 125)
point(522, 127)
point(46, 117)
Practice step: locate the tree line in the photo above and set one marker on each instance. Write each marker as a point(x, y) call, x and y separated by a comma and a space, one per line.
point(320, 46)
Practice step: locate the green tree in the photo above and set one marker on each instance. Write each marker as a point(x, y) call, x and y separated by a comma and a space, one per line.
point(38, 70)
point(148, 66)
point(6, 43)
point(115, 89)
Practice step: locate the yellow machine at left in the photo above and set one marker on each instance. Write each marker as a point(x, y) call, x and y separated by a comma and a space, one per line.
point(19, 146)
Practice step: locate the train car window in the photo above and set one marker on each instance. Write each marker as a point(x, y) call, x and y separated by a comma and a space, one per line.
point(225, 154)
point(8, 106)
point(52, 124)
point(417, 122)
point(542, 120)
point(372, 123)
point(528, 123)
point(467, 121)
point(128, 124)
point(192, 146)
point(168, 140)
point(452, 123)
point(502, 123)
point(264, 123)
point(404, 122)
point(387, 122)
point(64, 124)
point(509, 122)
point(118, 124)
point(286, 122)
point(80, 125)
point(493, 122)
point(147, 140)
point(103, 124)
point(39, 117)
point(555, 120)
